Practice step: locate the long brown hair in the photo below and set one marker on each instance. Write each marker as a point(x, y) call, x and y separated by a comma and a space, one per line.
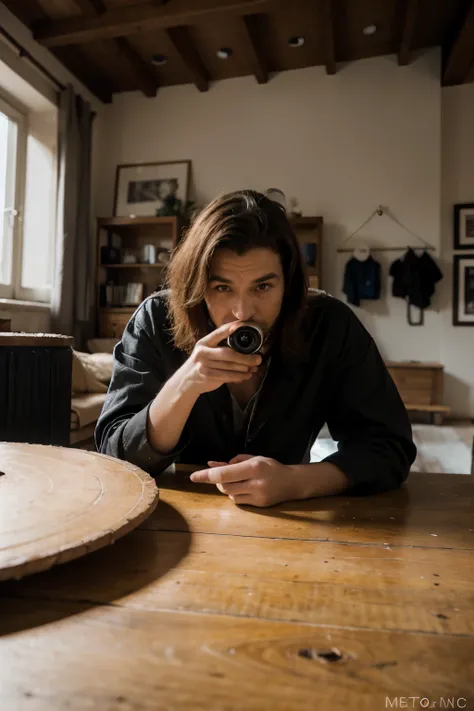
point(239, 221)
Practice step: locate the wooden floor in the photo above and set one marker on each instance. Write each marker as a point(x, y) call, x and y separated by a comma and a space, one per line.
point(441, 450)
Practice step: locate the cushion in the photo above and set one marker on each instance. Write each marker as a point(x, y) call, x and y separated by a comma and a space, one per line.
point(85, 409)
point(83, 380)
point(78, 437)
point(100, 365)
point(101, 345)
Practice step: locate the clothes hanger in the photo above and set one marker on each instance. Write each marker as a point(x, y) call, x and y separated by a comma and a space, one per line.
point(361, 252)
point(379, 211)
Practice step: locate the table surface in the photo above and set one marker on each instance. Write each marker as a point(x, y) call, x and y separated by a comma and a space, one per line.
point(338, 602)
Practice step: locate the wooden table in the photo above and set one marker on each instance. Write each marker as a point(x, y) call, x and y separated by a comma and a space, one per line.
point(335, 603)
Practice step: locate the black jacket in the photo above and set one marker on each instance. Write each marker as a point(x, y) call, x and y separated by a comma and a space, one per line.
point(414, 278)
point(341, 380)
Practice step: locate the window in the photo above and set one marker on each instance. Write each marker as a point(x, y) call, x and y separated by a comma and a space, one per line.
point(27, 202)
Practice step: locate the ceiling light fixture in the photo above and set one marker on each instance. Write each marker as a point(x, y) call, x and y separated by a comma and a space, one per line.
point(296, 41)
point(370, 30)
point(159, 59)
point(224, 53)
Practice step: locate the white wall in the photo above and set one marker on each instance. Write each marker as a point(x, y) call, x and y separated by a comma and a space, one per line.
point(341, 144)
point(457, 342)
point(27, 318)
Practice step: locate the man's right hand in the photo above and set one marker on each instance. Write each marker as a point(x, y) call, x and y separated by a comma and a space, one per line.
point(209, 366)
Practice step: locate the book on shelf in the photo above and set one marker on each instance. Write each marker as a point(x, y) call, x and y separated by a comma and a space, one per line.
point(130, 294)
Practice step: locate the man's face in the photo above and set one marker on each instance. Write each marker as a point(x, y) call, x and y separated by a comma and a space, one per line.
point(245, 288)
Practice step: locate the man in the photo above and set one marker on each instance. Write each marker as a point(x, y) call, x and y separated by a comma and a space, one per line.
point(179, 392)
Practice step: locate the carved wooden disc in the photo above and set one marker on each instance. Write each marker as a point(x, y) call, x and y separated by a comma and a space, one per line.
point(57, 504)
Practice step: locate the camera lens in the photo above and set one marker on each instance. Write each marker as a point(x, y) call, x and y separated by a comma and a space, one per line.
point(246, 339)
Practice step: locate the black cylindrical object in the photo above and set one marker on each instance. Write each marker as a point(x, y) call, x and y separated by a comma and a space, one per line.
point(35, 389)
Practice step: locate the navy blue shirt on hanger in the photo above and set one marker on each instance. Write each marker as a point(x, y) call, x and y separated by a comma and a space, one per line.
point(362, 280)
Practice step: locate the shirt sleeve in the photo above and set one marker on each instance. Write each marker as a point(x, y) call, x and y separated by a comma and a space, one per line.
point(138, 376)
point(367, 418)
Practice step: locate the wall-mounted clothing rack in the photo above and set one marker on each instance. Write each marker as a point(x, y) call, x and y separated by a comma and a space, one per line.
point(392, 249)
point(378, 212)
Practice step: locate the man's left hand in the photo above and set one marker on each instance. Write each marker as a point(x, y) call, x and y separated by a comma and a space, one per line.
point(250, 480)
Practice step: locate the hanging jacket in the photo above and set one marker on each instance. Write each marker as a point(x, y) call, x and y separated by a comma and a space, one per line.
point(414, 279)
point(361, 280)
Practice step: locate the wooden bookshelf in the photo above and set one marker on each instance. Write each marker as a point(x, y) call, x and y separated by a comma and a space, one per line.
point(133, 233)
point(309, 231)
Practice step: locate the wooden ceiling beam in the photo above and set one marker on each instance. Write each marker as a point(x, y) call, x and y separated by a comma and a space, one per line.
point(328, 36)
point(132, 19)
point(184, 45)
point(78, 63)
point(142, 74)
point(91, 7)
point(253, 49)
point(460, 56)
point(408, 31)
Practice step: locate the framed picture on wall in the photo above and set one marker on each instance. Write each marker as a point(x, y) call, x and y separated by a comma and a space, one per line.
point(463, 290)
point(464, 226)
point(151, 189)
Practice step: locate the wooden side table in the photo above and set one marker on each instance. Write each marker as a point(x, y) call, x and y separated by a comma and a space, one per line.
point(35, 388)
point(420, 386)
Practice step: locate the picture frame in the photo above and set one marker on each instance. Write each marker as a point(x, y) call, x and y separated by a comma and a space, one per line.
point(464, 226)
point(463, 290)
point(151, 189)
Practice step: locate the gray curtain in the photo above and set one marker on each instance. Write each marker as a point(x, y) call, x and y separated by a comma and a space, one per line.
point(73, 283)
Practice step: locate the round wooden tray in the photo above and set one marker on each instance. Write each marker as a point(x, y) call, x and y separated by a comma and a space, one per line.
point(57, 504)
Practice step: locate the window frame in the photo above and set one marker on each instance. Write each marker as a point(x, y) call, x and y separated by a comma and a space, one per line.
point(14, 291)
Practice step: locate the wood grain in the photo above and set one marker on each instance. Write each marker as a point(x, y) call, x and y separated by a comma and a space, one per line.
point(257, 612)
point(111, 658)
point(435, 511)
point(57, 504)
point(412, 589)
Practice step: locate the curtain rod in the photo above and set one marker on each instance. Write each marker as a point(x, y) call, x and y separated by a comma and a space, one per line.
point(24, 54)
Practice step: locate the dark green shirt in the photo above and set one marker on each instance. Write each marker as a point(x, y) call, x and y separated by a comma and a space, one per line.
point(341, 380)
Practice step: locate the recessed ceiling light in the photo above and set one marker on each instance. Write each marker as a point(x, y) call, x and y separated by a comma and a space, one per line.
point(297, 41)
point(224, 53)
point(370, 30)
point(159, 59)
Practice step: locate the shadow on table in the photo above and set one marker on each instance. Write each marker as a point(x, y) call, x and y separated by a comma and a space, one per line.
point(102, 578)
